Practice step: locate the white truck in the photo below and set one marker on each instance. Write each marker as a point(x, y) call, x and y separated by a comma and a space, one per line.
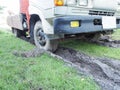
point(51, 20)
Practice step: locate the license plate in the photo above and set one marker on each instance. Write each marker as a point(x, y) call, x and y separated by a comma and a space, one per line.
point(74, 24)
point(109, 22)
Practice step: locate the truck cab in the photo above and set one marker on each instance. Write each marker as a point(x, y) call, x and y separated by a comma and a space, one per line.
point(48, 21)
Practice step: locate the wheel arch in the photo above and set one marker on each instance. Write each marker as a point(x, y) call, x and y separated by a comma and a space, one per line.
point(47, 27)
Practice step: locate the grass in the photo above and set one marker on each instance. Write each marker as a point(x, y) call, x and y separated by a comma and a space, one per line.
point(116, 35)
point(18, 73)
point(93, 49)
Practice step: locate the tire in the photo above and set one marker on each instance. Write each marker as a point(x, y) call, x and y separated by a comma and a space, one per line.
point(18, 33)
point(41, 39)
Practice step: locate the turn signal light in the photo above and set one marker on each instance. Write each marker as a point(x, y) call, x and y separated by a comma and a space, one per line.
point(59, 2)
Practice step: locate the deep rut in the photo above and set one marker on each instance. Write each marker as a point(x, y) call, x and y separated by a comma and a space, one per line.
point(105, 71)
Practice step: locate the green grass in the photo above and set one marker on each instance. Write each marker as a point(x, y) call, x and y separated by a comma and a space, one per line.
point(116, 35)
point(18, 73)
point(93, 49)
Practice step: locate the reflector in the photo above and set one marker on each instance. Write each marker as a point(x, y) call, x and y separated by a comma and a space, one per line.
point(59, 2)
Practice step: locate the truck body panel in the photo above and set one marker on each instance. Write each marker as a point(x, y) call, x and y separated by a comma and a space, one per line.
point(44, 4)
point(15, 21)
point(105, 4)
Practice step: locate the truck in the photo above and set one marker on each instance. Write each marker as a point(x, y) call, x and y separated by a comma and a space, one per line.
point(48, 21)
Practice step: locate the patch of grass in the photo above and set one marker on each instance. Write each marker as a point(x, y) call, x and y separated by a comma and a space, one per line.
point(18, 73)
point(116, 35)
point(93, 49)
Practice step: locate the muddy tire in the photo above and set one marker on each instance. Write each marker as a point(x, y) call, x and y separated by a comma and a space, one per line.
point(41, 39)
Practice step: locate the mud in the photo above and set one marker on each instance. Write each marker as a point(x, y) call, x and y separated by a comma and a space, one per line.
point(106, 41)
point(113, 43)
point(33, 53)
point(105, 71)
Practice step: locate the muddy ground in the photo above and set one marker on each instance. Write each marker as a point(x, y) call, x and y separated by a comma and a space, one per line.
point(105, 71)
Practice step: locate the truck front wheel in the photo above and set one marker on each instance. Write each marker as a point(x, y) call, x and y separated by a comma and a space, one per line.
point(41, 39)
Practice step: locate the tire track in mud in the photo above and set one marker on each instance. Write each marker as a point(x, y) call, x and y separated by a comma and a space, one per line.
point(105, 41)
point(105, 71)
point(114, 44)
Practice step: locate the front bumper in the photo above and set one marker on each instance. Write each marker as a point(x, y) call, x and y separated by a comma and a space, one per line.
point(88, 24)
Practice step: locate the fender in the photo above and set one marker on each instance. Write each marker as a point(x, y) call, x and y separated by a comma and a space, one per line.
point(48, 29)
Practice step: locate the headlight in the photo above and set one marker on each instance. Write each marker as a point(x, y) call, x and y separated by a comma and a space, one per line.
point(71, 2)
point(83, 2)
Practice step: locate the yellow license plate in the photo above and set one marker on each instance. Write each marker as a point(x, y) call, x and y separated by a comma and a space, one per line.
point(74, 24)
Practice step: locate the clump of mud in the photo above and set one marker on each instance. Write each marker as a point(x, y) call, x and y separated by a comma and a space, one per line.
point(32, 53)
